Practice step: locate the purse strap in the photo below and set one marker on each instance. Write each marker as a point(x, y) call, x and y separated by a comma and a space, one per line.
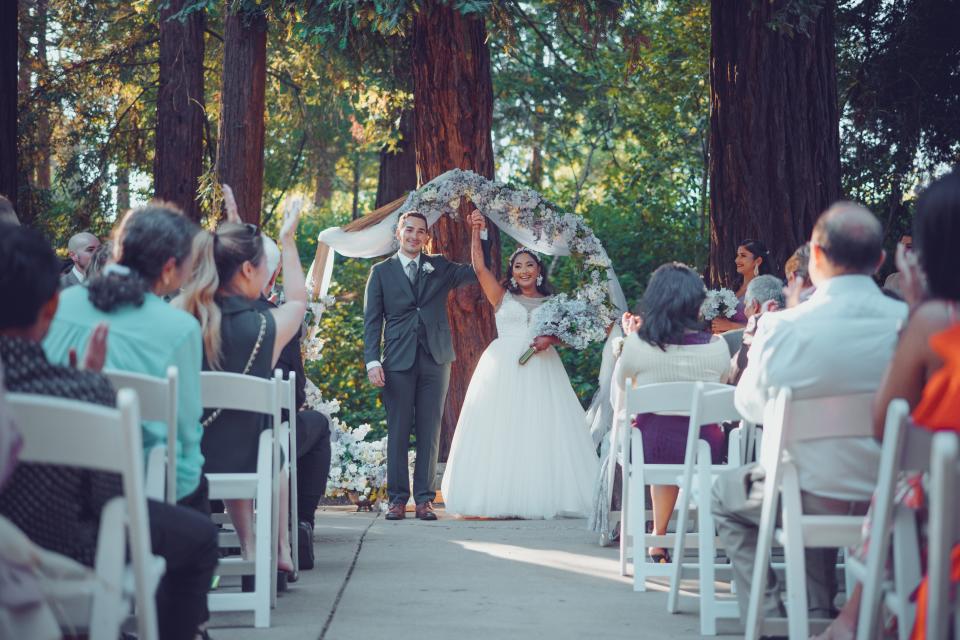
point(246, 369)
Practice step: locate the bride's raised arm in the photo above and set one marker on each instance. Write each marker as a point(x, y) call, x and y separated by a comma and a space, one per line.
point(488, 282)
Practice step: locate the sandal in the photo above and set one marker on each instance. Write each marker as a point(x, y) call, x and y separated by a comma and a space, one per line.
point(661, 557)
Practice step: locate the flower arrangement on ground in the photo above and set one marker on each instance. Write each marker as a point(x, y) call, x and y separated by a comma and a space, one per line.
point(719, 302)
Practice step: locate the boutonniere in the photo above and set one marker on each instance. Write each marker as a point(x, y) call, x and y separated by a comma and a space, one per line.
point(427, 268)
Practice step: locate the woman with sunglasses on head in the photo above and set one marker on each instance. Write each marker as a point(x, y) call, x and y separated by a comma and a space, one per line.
point(229, 275)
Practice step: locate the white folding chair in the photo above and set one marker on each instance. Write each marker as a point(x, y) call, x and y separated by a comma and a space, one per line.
point(709, 407)
point(158, 403)
point(675, 398)
point(792, 421)
point(288, 437)
point(906, 449)
point(78, 434)
point(234, 391)
point(944, 533)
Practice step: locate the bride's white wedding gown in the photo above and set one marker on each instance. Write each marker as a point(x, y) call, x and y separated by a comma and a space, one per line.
point(522, 447)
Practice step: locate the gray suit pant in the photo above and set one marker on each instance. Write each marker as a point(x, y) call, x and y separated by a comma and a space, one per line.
point(737, 497)
point(414, 400)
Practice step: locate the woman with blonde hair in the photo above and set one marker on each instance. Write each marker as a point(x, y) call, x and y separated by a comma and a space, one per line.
point(229, 275)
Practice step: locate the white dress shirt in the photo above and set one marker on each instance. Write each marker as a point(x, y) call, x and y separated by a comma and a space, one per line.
point(404, 261)
point(838, 342)
point(79, 275)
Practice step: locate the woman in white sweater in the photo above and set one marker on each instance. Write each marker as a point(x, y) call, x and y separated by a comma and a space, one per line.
point(668, 342)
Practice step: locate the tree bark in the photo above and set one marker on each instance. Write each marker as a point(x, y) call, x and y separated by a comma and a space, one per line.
point(240, 150)
point(774, 131)
point(123, 189)
point(398, 170)
point(178, 158)
point(453, 109)
point(8, 99)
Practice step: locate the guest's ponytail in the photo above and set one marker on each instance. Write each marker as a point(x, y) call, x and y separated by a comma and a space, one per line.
point(145, 240)
point(198, 296)
point(217, 258)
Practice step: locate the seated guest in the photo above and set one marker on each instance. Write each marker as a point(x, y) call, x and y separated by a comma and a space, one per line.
point(837, 342)
point(917, 372)
point(668, 343)
point(765, 293)
point(7, 214)
point(59, 507)
point(81, 248)
point(147, 335)
point(313, 428)
point(229, 278)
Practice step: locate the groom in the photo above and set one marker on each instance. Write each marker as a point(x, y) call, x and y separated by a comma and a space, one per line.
point(406, 303)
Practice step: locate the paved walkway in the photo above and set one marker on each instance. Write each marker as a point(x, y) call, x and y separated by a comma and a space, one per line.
point(462, 579)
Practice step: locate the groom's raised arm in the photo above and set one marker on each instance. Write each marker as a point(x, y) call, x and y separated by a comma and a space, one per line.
point(372, 318)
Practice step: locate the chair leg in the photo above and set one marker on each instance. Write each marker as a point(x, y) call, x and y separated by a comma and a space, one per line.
point(707, 551)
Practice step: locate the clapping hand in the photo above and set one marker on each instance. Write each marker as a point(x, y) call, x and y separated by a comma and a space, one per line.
point(96, 353)
point(792, 292)
point(630, 323)
point(230, 204)
point(913, 284)
point(292, 207)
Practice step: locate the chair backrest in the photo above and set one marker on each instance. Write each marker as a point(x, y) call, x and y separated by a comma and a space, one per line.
point(944, 533)
point(787, 420)
point(57, 431)
point(673, 397)
point(238, 392)
point(158, 402)
point(288, 392)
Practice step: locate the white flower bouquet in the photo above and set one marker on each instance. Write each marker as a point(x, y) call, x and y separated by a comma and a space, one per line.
point(357, 465)
point(575, 321)
point(719, 302)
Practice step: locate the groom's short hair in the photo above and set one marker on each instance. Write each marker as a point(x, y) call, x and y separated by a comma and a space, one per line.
point(412, 214)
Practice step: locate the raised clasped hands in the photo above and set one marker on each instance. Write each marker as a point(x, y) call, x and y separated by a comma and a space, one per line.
point(913, 283)
point(477, 221)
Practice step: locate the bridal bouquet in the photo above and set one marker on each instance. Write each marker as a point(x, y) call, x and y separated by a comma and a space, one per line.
point(720, 302)
point(575, 321)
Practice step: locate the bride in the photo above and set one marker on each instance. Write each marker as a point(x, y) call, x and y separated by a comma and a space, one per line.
point(521, 448)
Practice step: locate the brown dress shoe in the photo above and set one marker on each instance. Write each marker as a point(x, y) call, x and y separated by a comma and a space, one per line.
point(425, 511)
point(396, 511)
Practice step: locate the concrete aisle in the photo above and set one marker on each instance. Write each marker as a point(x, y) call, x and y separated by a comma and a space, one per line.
point(463, 579)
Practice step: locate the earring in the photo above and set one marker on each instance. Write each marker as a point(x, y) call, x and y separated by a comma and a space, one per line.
point(513, 282)
point(756, 269)
point(539, 280)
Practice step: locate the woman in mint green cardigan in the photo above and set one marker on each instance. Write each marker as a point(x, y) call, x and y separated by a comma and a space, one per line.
point(146, 335)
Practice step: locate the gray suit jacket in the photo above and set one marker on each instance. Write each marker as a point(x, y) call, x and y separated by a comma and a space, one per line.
point(69, 279)
point(393, 309)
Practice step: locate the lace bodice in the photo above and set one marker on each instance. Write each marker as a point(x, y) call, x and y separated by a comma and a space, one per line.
point(515, 314)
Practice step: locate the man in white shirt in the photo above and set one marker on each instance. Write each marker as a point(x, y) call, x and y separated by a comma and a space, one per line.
point(838, 342)
point(81, 248)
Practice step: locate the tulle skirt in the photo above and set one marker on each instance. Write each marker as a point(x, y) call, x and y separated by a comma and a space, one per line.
point(522, 447)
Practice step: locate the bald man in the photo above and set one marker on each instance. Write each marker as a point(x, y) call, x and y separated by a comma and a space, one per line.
point(81, 248)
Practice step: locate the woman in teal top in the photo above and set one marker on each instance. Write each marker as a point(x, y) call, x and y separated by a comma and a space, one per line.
point(147, 335)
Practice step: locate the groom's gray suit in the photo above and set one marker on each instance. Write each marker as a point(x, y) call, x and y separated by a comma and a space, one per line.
point(409, 320)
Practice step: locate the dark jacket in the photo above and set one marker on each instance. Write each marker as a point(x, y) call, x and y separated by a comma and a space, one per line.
point(396, 310)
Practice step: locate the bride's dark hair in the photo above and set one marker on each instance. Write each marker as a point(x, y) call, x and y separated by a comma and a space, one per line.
point(507, 282)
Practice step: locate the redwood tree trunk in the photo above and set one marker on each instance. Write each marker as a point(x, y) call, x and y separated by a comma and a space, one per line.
point(774, 131)
point(453, 109)
point(8, 99)
point(398, 170)
point(240, 149)
point(178, 159)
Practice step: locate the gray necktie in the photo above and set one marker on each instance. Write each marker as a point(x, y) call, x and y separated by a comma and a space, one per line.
point(412, 271)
